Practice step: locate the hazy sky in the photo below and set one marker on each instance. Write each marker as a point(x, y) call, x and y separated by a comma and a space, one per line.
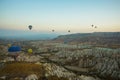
point(61, 15)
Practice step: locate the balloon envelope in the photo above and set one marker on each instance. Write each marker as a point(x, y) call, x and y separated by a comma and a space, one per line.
point(30, 27)
point(95, 26)
point(30, 50)
point(92, 25)
point(53, 30)
point(14, 49)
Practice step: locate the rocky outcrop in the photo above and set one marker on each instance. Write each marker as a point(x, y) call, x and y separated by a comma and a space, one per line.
point(104, 62)
point(31, 77)
point(28, 58)
point(59, 71)
point(52, 69)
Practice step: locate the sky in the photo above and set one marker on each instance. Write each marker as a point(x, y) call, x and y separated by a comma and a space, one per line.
point(60, 15)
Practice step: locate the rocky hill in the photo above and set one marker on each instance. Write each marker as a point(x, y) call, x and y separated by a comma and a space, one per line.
point(106, 38)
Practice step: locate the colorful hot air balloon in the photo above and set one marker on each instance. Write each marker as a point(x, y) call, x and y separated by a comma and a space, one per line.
point(30, 27)
point(13, 51)
point(30, 51)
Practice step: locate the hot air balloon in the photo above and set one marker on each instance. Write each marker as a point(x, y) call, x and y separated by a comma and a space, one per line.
point(13, 51)
point(53, 30)
point(95, 26)
point(30, 51)
point(92, 25)
point(30, 27)
point(68, 30)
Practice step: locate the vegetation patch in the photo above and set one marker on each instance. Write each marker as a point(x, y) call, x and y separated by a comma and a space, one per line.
point(21, 69)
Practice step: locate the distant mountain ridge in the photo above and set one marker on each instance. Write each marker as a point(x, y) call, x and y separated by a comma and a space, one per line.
point(96, 37)
point(25, 35)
